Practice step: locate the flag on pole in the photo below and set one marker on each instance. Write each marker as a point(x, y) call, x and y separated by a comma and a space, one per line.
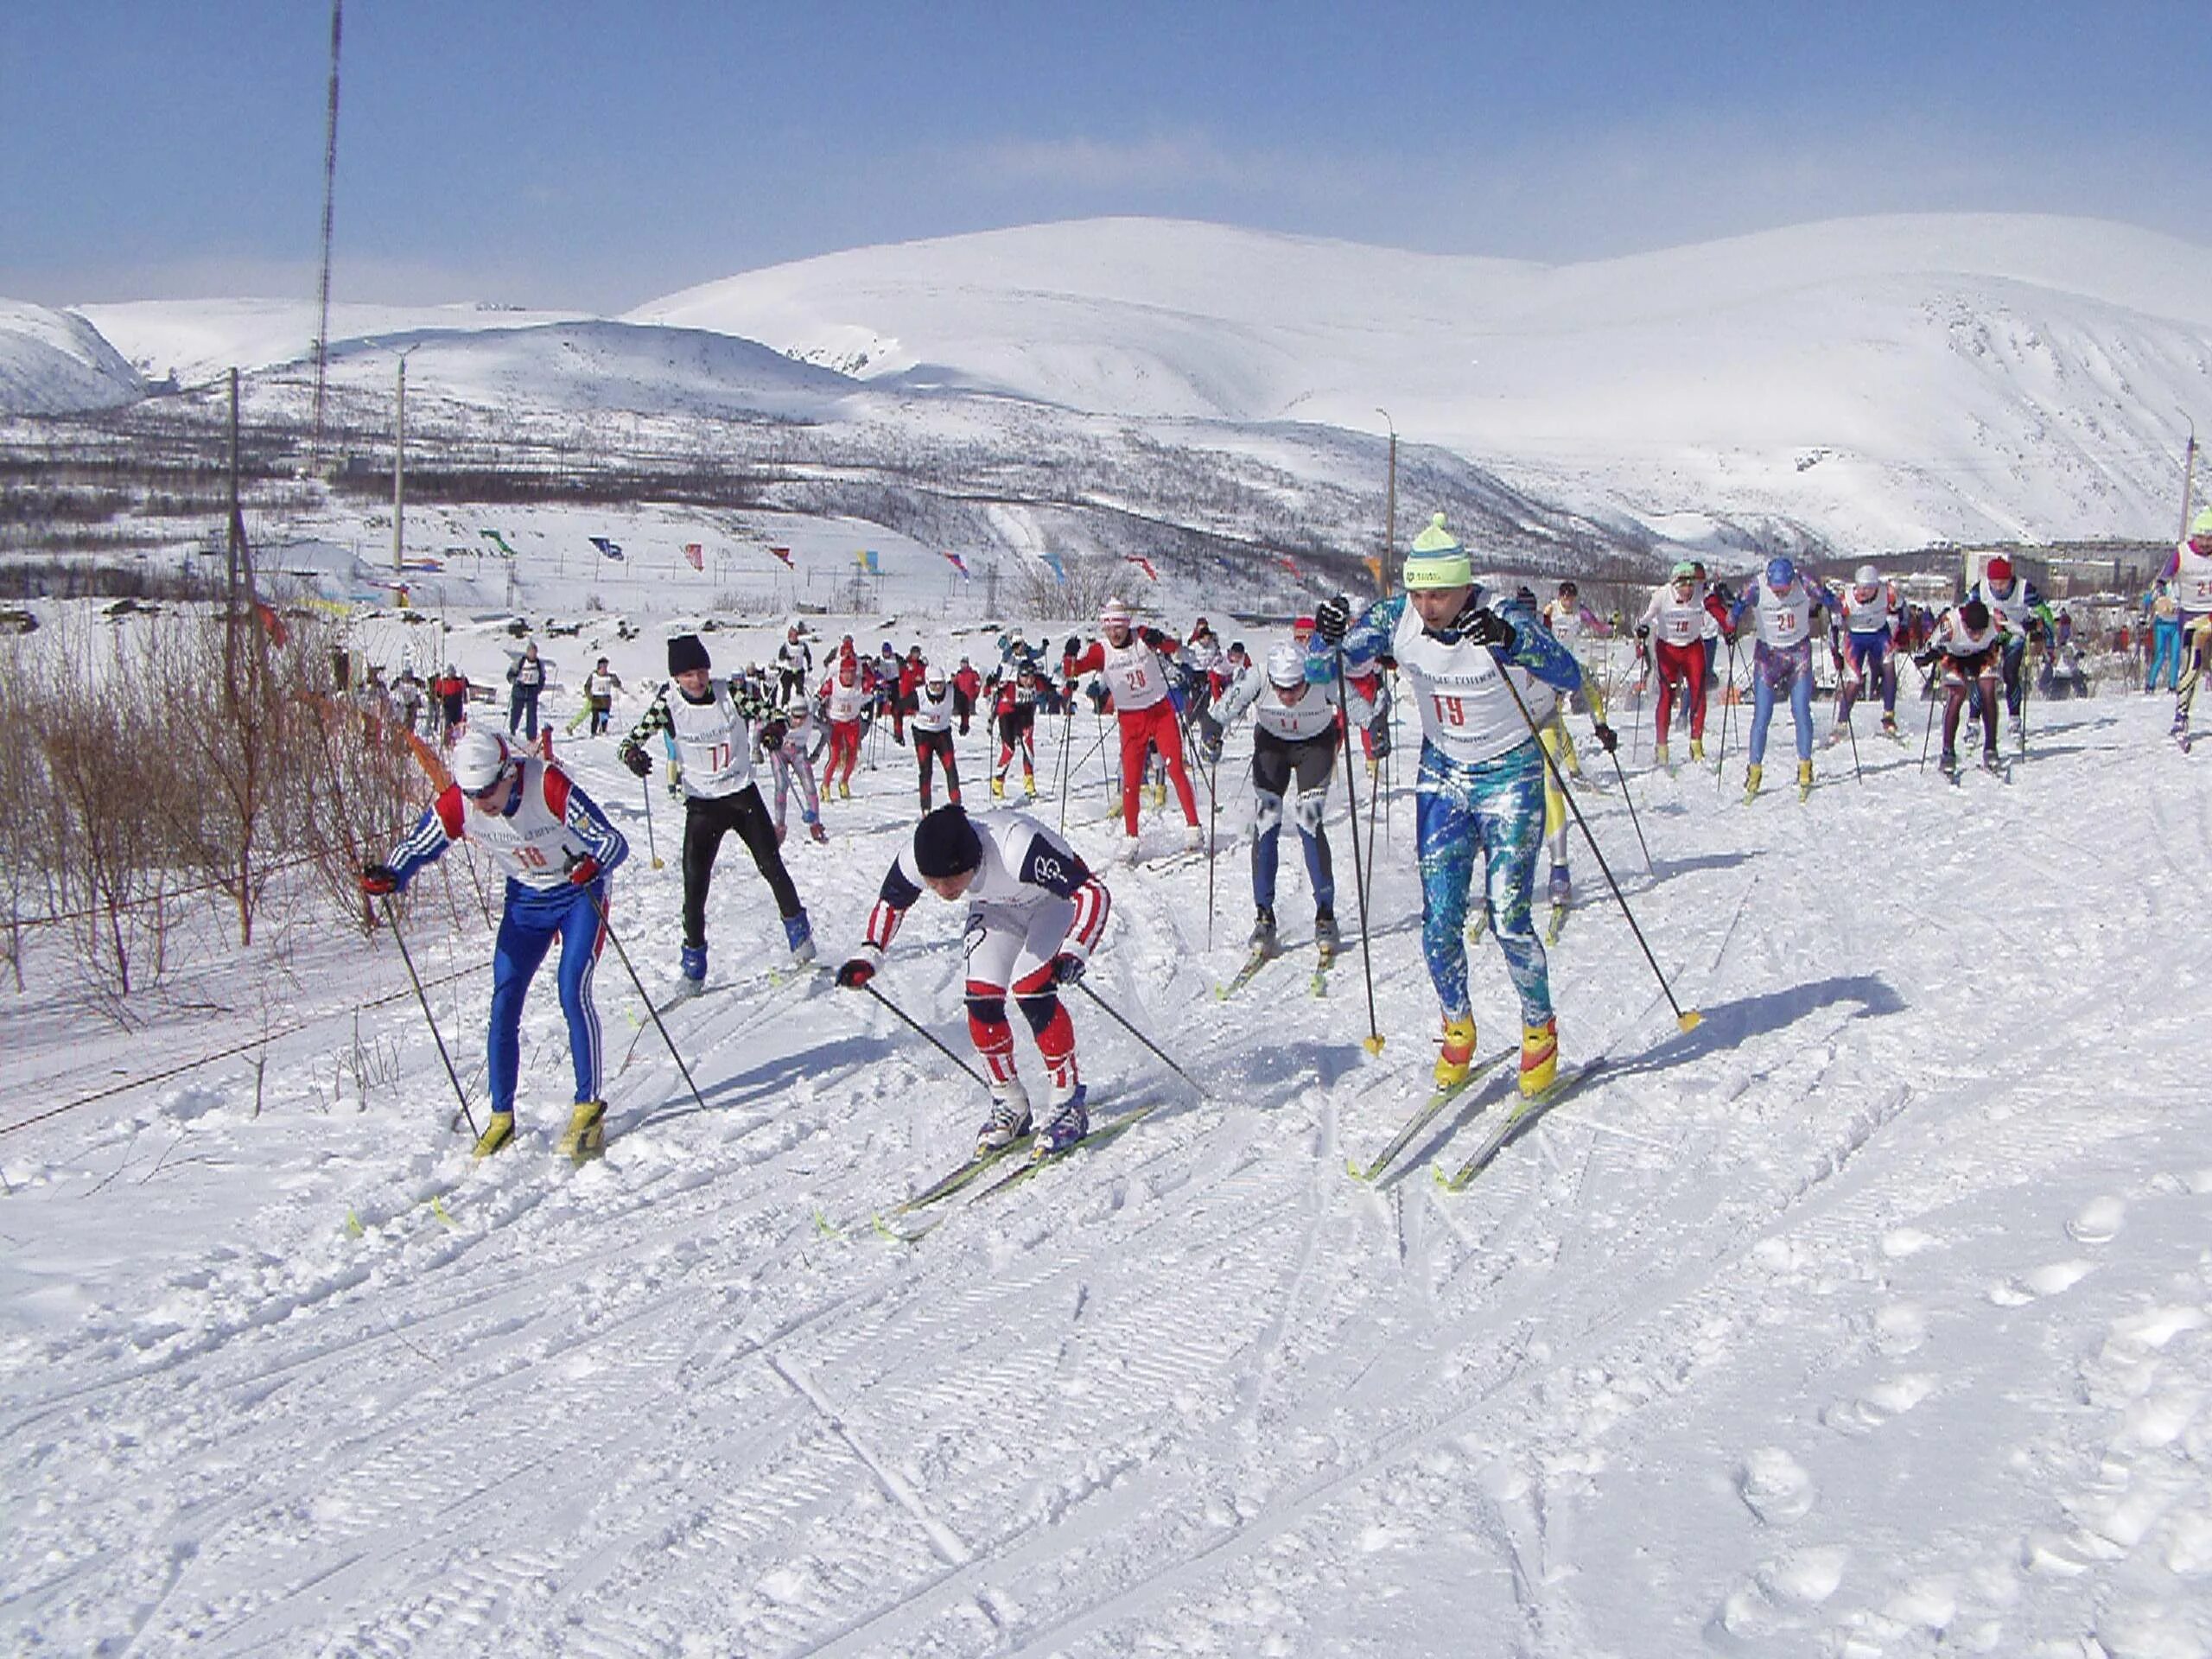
point(864, 559)
point(498, 543)
point(1052, 563)
point(956, 561)
point(1143, 564)
point(785, 554)
point(1374, 568)
point(1288, 563)
point(697, 554)
point(608, 547)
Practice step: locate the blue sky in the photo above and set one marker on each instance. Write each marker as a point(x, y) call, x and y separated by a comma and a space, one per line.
point(598, 156)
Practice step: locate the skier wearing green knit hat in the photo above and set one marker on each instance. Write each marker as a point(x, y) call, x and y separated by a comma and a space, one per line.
point(1480, 790)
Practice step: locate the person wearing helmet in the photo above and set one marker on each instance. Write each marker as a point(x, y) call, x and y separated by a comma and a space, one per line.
point(1035, 913)
point(1870, 612)
point(1132, 662)
point(1485, 676)
point(1572, 622)
point(791, 764)
point(556, 849)
point(2188, 574)
point(710, 727)
point(2020, 613)
point(1967, 642)
point(1781, 601)
point(1295, 705)
point(794, 662)
point(930, 706)
point(1201, 655)
point(1670, 638)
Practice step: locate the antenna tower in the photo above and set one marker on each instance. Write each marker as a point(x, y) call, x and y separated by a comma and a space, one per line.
point(329, 206)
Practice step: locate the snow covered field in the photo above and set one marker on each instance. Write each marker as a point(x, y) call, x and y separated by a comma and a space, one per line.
point(1869, 1317)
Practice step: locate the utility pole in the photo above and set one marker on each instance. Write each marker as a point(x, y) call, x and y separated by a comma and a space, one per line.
point(399, 470)
point(1390, 512)
point(2187, 476)
point(329, 207)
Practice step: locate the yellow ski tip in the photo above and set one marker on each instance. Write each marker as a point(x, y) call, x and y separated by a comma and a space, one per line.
point(353, 1228)
point(1690, 1020)
point(438, 1208)
point(1372, 1043)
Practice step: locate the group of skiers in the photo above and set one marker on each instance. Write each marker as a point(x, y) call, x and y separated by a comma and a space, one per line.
point(1491, 675)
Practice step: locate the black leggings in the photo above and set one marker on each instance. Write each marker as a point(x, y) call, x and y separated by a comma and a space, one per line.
point(707, 819)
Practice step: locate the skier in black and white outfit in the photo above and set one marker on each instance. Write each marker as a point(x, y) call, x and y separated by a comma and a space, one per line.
point(1035, 913)
point(794, 662)
point(1294, 739)
point(706, 727)
point(931, 707)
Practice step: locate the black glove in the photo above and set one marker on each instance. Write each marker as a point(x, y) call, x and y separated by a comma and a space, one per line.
point(1726, 596)
point(1608, 740)
point(1153, 638)
point(1484, 628)
point(1067, 968)
point(1643, 629)
point(856, 973)
point(1332, 619)
point(378, 880)
point(637, 759)
point(772, 735)
point(1926, 659)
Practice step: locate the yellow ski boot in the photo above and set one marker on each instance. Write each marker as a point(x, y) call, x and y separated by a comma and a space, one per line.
point(1804, 778)
point(584, 1138)
point(1659, 754)
point(1539, 1058)
point(844, 789)
point(998, 789)
point(499, 1129)
point(1697, 749)
point(1029, 784)
point(1458, 1056)
point(1751, 785)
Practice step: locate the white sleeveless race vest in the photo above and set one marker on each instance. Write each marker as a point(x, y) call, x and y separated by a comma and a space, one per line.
point(2192, 581)
point(933, 713)
point(1958, 642)
point(1313, 714)
point(846, 701)
point(2015, 608)
point(1677, 621)
point(1867, 616)
point(1782, 622)
point(1465, 710)
point(533, 846)
point(1133, 674)
point(1566, 619)
point(713, 746)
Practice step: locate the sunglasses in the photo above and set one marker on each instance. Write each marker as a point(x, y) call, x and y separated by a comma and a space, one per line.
point(492, 788)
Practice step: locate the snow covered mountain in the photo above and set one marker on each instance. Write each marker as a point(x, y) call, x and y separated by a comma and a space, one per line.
point(56, 363)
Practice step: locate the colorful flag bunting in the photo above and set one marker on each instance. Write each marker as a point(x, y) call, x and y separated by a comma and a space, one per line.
point(1143, 564)
point(1052, 563)
point(498, 543)
point(697, 554)
point(785, 554)
point(608, 547)
point(954, 560)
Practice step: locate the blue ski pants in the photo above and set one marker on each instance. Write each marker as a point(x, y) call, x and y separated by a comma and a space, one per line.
point(534, 918)
point(1496, 810)
point(1772, 670)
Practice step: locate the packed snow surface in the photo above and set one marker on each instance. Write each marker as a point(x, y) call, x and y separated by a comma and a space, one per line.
point(1872, 1316)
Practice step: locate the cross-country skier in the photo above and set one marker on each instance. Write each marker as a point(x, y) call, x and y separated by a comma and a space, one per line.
point(967, 686)
point(789, 764)
point(556, 849)
point(1966, 642)
point(2016, 608)
point(1013, 716)
point(1480, 790)
point(708, 727)
point(1035, 913)
point(1673, 629)
point(930, 706)
point(1781, 602)
point(2165, 612)
point(1870, 616)
point(526, 674)
point(794, 662)
point(1293, 743)
point(1571, 622)
point(2189, 571)
point(845, 695)
point(1134, 663)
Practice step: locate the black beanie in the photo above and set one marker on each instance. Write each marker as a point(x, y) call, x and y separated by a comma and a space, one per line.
point(685, 651)
point(945, 843)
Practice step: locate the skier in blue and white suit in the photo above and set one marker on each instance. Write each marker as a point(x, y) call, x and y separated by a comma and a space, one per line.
point(1481, 783)
point(556, 849)
point(1780, 603)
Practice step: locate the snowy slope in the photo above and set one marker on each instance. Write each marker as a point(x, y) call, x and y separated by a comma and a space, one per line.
point(1872, 1317)
point(56, 363)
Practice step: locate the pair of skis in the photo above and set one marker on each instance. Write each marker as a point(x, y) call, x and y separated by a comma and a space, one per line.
point(1516, 1121)
point(897, 1222)
point(1317, 985)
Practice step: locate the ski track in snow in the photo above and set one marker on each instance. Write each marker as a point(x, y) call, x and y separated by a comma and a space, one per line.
point(1868, 1318)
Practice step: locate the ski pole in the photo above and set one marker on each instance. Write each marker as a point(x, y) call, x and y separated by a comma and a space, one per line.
point(1686, 1018)
point(929, 1036)
point(646, 784)
point(1373, 1041)
point(1213, 829)
point(1060, 783)
point(1114, 1013)
point(1850, 730)
point(1928, 690)
point(1727, 703)
point(2027, 680)
point(392, 917)
point(1637, 822)
point(614, 939)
